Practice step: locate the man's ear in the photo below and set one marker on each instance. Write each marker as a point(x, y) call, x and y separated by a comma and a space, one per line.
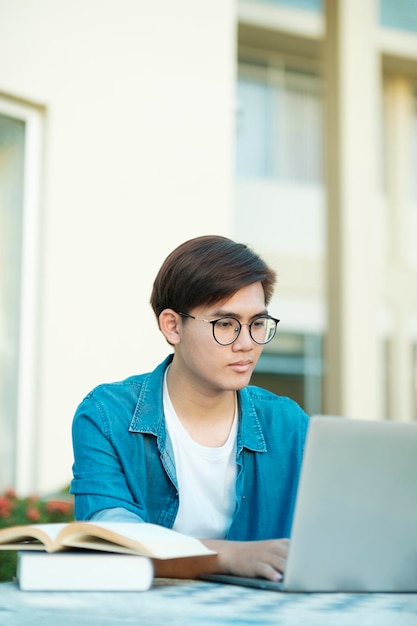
point(169, 323)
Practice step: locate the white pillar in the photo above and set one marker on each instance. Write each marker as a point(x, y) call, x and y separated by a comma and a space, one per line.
point(399, 115)
point(352, 106)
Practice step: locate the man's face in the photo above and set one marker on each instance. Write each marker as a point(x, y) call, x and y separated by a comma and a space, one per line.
point(209, 366)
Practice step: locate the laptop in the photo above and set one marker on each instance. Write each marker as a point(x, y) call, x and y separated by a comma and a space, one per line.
point(355, 519)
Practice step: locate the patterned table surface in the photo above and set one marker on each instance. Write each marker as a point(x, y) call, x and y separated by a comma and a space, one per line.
point(195, 603)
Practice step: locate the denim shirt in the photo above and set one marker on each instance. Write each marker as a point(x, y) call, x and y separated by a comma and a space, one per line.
point(124, 462)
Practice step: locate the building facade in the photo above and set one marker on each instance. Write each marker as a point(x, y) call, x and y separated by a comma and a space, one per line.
point(128, 127)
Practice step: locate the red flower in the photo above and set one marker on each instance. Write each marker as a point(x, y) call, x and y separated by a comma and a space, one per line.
point(58, 506)
point(32, 514)
point(5, 507)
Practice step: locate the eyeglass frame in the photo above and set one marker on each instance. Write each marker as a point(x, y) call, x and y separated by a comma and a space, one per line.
point(240, 324)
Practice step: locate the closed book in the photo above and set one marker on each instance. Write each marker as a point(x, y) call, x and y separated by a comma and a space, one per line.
point(83, 571)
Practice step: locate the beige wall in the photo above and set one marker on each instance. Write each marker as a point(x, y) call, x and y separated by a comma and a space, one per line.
point(137, 98)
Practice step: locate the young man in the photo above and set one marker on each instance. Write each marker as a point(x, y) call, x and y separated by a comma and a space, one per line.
point(190, 446)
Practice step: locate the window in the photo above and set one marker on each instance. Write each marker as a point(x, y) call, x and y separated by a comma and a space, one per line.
point(400, 14)
point(19, 202)
point(279, 123)
point(12, 135)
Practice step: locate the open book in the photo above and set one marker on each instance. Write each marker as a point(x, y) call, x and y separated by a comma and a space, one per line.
point(127, 538)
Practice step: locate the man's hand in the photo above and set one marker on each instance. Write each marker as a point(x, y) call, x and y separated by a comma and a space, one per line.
point(262, 559)
point(265, 559)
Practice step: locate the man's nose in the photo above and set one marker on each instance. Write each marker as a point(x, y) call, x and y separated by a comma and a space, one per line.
point(244, 340)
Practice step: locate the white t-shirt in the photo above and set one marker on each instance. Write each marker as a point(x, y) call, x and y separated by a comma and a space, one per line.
point(206, 479)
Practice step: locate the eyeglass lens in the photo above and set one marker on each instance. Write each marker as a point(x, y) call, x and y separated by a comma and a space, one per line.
point(227, 329)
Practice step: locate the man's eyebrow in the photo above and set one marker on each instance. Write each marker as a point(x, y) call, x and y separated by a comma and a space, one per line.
point(228, 313)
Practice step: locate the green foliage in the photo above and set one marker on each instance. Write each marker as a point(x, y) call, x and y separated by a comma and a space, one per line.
point(15, 511)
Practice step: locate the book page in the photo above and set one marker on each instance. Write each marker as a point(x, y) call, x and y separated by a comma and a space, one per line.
point(141, 538)
point(52, 530)
point(30, 537)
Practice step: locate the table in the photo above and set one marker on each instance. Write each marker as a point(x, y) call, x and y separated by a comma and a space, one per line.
point(195, 603)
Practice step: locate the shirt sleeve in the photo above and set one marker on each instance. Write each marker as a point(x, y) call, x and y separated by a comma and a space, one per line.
point(118, 514)
point(100, 483)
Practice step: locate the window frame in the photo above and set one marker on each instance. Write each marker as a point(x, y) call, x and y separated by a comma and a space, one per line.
point(28, 351)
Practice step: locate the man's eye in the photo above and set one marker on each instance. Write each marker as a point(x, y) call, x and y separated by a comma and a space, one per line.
point(226, 323)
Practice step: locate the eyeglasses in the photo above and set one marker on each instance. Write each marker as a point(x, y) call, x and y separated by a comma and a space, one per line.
point(227, 329)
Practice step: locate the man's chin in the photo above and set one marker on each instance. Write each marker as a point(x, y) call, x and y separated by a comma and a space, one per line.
point(241, 382)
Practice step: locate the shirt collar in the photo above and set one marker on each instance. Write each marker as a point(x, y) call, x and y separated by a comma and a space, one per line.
point(148, 417)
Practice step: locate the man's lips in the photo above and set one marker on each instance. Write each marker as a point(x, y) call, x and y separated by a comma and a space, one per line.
point(241, 366)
